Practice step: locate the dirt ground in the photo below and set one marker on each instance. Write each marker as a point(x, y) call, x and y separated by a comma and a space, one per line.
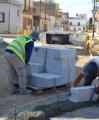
point(7, 101)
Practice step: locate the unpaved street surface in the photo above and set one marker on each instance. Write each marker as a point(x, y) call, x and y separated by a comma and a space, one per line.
point(7, 101)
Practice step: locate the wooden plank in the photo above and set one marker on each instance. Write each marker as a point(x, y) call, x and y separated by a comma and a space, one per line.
point(39, 90)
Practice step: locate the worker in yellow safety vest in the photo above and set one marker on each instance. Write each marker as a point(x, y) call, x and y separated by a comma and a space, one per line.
point(17, 55)
point(89, 44)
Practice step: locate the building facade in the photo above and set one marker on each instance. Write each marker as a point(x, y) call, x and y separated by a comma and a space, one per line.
point(20, 16)
point(78, 23)
point(27, 15)
point(96, 26)
point(65, 21)
point(46, 11)
point(10, 17)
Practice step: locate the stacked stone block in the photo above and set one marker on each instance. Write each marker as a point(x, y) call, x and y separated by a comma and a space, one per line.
point(58, 66)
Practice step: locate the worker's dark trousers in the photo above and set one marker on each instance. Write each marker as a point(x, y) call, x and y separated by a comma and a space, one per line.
point(16, 71)
point(88, 80)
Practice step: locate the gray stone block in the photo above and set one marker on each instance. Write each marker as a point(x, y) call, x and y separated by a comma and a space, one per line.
point(64, 67)
point(71, 75)
point(56, 66)
point(46, 80)
point(58, 69)
point(37, 68)
point(61, 52)
point(38, 55)
point(59, 66)
point(81, 94)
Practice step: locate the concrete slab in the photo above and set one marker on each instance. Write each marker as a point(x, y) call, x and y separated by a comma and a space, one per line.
point(38, 55)
point(46, 80)
point(64, 67)
point(37, 68)
point(81, 94)
point(61, 52)
point(56, 66)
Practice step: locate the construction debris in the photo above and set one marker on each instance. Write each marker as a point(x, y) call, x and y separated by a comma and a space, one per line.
point(29, 115)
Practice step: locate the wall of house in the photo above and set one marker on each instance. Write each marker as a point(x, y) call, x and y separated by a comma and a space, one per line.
point(77, 24)
point(15, 18)
point(76, 28)
point(12, 18)
point(65, 21)
point(48, 22)
point(4, 8)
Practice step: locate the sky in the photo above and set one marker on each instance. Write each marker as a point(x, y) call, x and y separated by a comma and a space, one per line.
point(76, 6)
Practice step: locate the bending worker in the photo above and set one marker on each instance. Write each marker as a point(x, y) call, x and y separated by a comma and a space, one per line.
point(89, 72)
point(17, 55)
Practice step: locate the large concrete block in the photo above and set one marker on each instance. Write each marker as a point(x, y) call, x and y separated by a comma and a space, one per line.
point(37, 68)
point(71, 75)
point(57, 62)
point(38, 55)
point(64, 67)
point(56, 66)
point(71, 62)
point(71, 68)
point(46, 80)
point(61, 52)
point(61, 61)
point(81, 94)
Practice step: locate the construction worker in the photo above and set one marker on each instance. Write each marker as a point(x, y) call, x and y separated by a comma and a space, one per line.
point(17, 55)
point(89, 72)
point(89, 45)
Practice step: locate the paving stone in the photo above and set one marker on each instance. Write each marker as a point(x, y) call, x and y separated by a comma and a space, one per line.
point(37, 68)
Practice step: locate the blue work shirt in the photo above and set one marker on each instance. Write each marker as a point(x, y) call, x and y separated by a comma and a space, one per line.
point(28, 49)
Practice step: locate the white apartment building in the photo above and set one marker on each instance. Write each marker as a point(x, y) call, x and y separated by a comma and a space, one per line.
point(10, 16)
point(78, 23)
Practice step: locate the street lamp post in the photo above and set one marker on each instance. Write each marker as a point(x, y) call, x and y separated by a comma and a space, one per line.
point(93, 11)
point(25, 5)
point(45, 14)
point(93, 30)
point(40, 16)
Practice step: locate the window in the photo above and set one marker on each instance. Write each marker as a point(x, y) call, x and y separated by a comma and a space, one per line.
point(78, 23)
point(2, 17)
point(29, 20)
point(70, 23)
point(18, 12)
point(83, 28)
point(74, 29)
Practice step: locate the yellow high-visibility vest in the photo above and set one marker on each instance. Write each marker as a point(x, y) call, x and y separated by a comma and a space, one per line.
point(18, 46)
